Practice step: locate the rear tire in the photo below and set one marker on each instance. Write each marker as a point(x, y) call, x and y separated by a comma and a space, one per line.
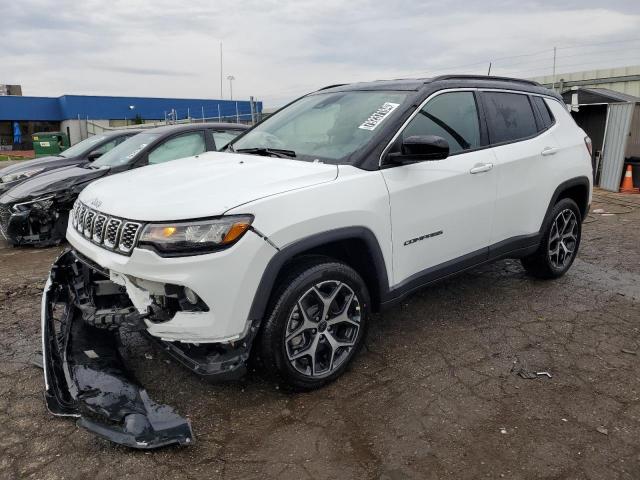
point(316, 324)
point(560, 242)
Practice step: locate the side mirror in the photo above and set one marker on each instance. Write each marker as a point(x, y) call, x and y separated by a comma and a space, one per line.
point(93, 155)
point(420, 148)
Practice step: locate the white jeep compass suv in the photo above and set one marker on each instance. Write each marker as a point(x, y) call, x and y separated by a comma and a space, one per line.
point(340, 204)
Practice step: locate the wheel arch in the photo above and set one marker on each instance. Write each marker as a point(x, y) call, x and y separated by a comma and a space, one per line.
point(576, 189)
point(358, 247)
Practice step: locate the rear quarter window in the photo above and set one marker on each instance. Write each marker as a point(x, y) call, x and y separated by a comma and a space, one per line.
point(509, 116)
point(543, 112)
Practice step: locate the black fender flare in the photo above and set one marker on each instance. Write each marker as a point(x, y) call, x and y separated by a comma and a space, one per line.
point(278, 261)
point(582, 181)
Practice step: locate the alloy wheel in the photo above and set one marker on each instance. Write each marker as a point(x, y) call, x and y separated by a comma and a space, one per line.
point(563, 239)
point(322, 329)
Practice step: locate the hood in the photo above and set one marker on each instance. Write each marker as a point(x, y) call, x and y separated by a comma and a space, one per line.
point(44, 163)
point(202, 186)
point(54, 181)
point(27, 165)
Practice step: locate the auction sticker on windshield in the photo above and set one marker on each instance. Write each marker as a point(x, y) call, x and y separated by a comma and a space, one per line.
point(379, 115)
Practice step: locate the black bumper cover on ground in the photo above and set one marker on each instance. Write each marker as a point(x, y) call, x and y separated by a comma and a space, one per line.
point(85, 375)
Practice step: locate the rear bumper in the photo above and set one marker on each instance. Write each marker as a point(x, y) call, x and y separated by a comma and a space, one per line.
point(85, 376)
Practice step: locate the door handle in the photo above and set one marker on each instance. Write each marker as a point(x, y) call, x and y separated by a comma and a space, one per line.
point(481, 167)
point(549, 151)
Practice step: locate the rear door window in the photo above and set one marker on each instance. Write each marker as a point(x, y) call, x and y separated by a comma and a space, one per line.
point(452, 116)
point(181, 146)
point(543, 112)
point(509, 116)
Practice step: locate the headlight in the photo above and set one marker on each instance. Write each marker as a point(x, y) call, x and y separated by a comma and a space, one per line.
point(12, 177)
point(200, 236)
point(42, 203)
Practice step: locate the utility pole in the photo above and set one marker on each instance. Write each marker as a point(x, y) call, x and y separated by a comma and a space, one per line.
point(231, 78)
point(252, 103)
point(553, 86)
point(221, 97)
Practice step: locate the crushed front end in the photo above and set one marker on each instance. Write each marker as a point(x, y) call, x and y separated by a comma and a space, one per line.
point(85, 375)
point(41, 222)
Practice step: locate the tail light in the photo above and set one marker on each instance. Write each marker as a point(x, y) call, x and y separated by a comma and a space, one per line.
point(587, 142)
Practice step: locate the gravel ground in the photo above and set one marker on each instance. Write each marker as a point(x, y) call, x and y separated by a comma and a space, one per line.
point(435, 394)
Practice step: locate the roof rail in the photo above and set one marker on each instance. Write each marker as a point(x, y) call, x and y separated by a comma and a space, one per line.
point(484, 77)
point(332, 86)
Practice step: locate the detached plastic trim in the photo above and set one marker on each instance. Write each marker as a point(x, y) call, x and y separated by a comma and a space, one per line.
point(86, 377)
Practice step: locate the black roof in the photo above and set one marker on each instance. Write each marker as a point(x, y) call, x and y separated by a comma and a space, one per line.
point(447, 81)
point(197, 126)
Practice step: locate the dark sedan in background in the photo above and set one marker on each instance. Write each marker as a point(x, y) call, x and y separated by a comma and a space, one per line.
point(36, 211)
point(82, 152)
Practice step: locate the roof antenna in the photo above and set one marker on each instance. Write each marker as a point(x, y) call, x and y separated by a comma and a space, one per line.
point(489, 72)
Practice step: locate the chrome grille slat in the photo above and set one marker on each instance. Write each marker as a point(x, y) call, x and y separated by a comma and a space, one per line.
point(98, 228)
point(72, 214)
point(89, 217)
point(128, 236)
point(81, 214)
point(111, 233)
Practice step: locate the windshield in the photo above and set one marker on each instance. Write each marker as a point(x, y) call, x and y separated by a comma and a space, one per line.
point(85, 146)
point(223, 137)
point(325, 126)
point(125, 152)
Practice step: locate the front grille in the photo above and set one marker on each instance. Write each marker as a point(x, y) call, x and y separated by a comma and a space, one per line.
point(112, 233)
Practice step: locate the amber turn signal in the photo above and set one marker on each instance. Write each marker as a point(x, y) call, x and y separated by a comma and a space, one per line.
point(235, 232)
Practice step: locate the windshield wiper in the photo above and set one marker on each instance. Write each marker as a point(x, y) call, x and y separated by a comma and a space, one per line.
point(276, 152)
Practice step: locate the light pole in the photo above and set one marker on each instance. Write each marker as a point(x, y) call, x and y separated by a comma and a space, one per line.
point(231, 78)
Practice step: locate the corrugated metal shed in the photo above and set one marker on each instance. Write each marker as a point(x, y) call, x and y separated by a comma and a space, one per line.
point(615, 141)
point(69, 107)
point(587, 95)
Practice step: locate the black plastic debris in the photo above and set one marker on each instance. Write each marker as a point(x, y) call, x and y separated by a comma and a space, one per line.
point(86, 377)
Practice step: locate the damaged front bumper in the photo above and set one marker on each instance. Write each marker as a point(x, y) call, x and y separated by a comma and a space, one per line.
point(85, 375)
point(38, 223)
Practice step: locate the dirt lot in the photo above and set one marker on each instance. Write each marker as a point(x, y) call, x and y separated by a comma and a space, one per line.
point(434, 395)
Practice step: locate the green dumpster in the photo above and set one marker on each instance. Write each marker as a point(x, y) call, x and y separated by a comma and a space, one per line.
point(49, 143)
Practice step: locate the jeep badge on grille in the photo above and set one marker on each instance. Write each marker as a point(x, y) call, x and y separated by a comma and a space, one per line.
point(96, 202)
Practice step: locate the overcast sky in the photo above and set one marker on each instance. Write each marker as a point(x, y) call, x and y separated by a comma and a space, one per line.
point(278, 50)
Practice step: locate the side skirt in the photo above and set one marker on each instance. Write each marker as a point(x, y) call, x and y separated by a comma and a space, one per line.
point(516, 247)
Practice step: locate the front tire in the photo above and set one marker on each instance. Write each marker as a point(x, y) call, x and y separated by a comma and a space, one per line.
point(316, 325)
point(559, 245)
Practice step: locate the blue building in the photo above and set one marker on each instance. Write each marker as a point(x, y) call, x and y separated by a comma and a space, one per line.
point(81, 115)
